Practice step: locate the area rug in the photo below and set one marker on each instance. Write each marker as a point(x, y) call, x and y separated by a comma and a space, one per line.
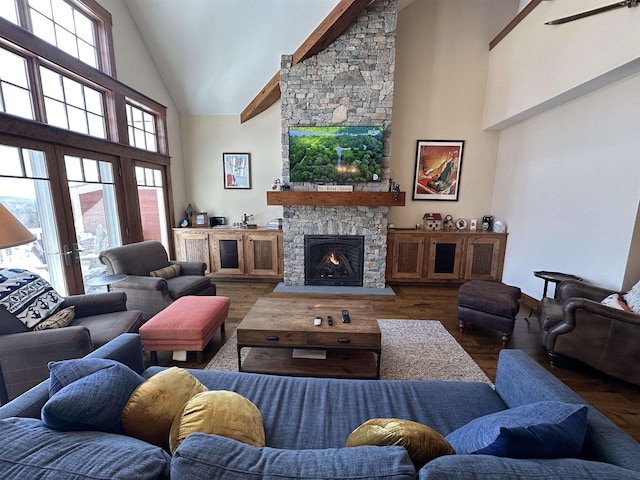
point(411, 350)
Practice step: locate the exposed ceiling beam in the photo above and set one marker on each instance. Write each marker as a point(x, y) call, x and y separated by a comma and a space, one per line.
point(338, 20)
point(267, 97)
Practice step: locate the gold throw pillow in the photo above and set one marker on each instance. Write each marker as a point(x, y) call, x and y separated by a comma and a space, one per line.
point(152, 407)
point(221, 412)
point(422, 443)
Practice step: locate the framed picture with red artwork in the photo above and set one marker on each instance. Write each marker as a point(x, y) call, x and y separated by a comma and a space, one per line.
point(437, 173)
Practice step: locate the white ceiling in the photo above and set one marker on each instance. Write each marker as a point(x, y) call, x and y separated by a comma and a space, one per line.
point(216, 55)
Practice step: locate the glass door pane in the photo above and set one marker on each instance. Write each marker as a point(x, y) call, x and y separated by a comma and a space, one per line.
point(25, 190)
point(95, 213)
point(151, 199)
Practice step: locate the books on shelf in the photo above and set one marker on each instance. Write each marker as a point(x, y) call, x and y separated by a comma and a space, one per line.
point(309, 353)
point(275, 224)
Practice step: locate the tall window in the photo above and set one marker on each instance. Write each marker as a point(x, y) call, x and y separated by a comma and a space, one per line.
point(37, 83)
point(26, 192)
point(142, 128)
point(95, 212)
point(66, 27)
point(77, 27)
point(151, 198)
point(73, 187)
point(15, 94)
point(72, 105)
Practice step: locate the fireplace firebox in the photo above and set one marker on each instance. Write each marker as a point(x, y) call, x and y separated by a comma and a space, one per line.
point(334, 260)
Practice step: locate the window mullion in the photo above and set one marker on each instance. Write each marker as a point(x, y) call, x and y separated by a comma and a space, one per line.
point(86, 116)
point(37, 94)
point(23, 15)
point(118, 119)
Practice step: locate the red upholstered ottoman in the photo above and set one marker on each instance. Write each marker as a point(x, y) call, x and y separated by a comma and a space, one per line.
point(188, 324)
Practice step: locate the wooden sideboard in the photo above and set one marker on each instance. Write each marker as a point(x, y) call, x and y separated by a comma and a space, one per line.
point(413, 256)
point(444, 256)
point(251, 253)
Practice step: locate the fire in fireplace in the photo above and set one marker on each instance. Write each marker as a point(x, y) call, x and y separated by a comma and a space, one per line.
point(334, 259)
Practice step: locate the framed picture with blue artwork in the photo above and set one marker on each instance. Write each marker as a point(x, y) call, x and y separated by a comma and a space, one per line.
point(237, 170)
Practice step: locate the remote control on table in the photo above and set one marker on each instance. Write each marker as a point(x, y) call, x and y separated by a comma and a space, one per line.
point(330, 320)
point(317, 321)
point(345, 316)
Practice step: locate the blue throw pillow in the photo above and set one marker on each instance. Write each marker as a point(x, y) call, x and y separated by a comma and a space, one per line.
point(212, 456)
point(88, 394)
point(31, 450)
point(536, 430)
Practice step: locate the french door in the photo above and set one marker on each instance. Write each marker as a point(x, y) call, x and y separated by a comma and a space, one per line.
point(69, 199)
point(90, 195)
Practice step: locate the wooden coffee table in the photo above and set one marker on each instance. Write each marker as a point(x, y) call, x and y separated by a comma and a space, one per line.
point(276, 326)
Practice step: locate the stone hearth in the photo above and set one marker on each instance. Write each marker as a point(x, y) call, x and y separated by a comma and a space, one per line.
point(371, 222)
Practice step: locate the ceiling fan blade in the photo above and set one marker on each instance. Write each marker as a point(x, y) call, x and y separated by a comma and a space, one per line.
point(595, 11)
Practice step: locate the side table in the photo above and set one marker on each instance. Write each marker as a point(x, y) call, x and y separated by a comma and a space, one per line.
point(555, 278)
point(106, 280)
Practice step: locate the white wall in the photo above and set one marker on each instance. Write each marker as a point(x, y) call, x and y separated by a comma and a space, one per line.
point(205, 139)
point(568, 187)
point(537, 66)
point(442, 57)
point(135, 68)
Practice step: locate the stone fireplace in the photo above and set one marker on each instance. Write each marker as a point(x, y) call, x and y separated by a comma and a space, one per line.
point(350, 82)
point(334, 260)
point(368, 222)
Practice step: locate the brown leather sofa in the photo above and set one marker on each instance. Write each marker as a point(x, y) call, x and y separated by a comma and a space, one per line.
point(575, 324)
point(152, 294)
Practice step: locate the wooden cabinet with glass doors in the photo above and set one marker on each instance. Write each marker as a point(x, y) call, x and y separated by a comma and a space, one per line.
point(444, 256)
point(233, 253)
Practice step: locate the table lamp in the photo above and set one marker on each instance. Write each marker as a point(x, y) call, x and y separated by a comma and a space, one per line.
point(12, 232)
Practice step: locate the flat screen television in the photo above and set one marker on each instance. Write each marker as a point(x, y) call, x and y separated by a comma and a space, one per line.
point(335, 154)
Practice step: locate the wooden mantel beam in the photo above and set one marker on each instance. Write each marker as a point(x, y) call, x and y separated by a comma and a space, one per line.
point(338, 20)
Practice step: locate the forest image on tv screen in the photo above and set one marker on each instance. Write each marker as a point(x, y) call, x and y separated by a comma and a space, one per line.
point(335, 154)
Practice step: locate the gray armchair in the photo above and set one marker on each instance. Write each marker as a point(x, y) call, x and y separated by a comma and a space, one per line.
point(575, 324)
point(25, 354)
point(153, 294)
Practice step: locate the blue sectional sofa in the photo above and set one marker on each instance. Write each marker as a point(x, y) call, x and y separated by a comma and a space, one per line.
point(306, 423)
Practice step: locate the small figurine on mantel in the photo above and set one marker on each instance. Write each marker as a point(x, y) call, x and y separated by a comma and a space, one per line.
point(432, 221)
point(447, 223)
point(189, 215)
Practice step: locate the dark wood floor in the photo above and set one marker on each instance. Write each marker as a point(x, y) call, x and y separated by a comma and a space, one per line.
point(618, 400)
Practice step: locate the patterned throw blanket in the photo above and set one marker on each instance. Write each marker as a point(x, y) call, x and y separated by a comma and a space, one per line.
point(27, 296)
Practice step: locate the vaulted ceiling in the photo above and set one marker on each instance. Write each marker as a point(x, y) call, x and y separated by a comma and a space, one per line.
point(215, 56)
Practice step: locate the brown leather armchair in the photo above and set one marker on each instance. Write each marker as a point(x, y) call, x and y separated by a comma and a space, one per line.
point(152, 294)
point(575, 324)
